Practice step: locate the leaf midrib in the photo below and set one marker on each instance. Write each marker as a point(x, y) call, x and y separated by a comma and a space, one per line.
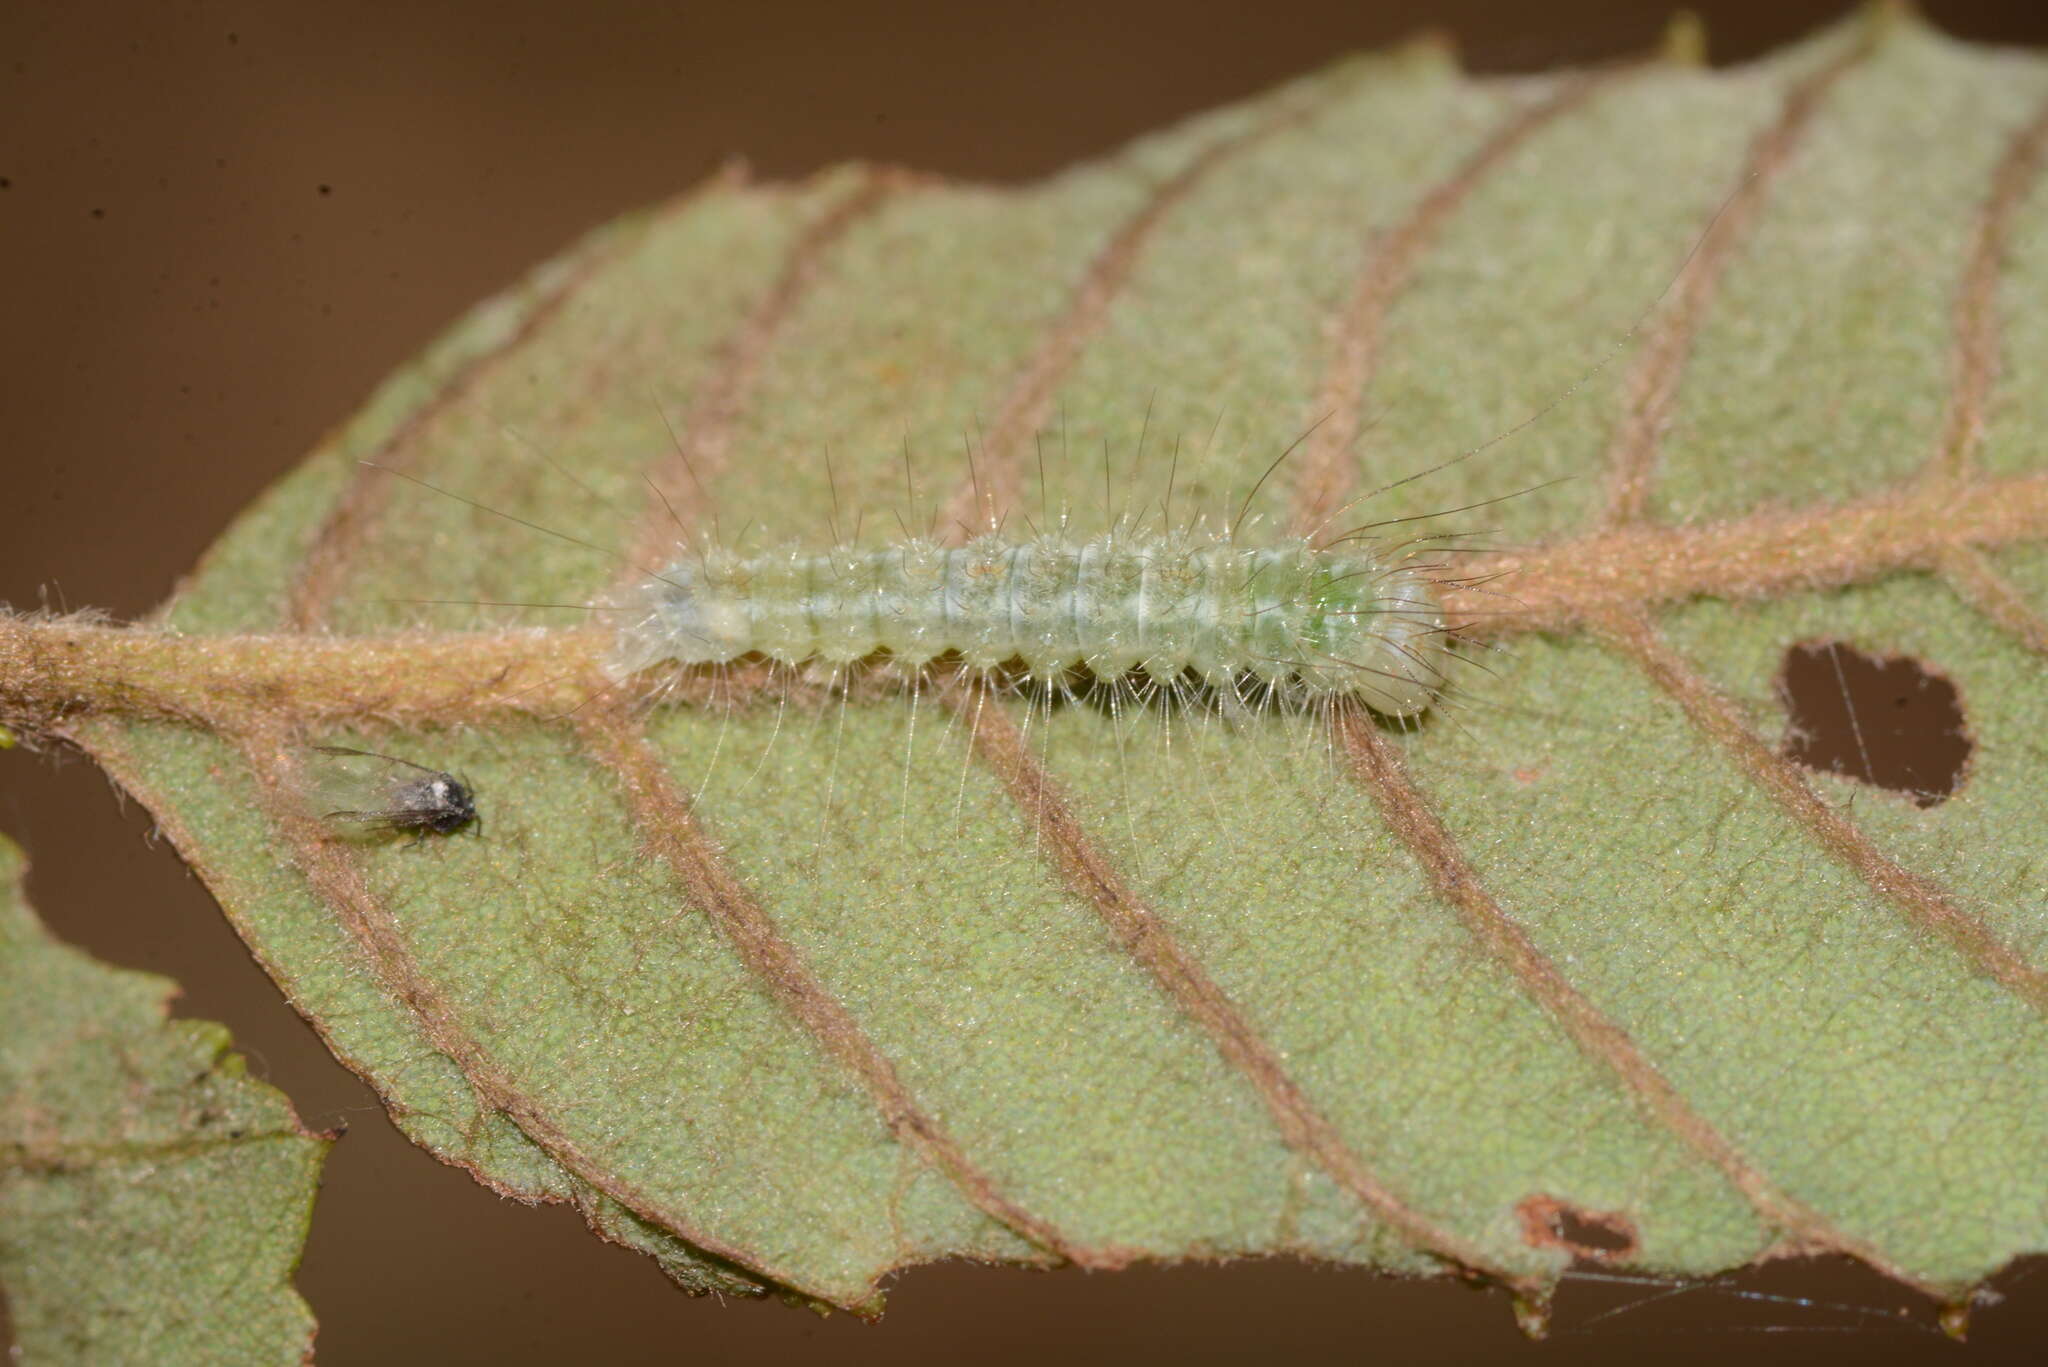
point(52, 668)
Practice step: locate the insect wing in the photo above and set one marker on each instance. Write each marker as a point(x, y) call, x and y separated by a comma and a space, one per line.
point(363, 793)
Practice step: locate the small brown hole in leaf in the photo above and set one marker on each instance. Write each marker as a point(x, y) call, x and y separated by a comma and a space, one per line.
point(1888, 720)
point(1599, 1236)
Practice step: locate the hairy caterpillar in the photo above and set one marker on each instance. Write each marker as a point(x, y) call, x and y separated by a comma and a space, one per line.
point(1327, 622)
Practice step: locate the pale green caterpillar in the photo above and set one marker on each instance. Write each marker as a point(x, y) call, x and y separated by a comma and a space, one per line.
point(1329, 623)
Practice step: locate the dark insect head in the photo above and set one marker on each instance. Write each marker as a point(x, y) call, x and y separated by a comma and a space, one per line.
point(442, 804)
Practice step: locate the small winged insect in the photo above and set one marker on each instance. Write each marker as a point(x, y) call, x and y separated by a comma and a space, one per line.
point(369, 794)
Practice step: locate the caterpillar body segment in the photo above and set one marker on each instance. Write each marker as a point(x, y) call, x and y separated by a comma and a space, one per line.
point(1325, 622)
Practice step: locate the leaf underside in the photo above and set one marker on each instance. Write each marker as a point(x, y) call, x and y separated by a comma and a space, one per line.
point(796, 989)
point(154, 1199)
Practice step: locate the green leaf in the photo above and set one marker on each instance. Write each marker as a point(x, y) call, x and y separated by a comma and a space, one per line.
point(793, 988)
point(154, 1199)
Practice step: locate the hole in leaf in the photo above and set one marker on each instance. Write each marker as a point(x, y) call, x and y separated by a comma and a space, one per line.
point(1600, 1236)
point(1888, 720)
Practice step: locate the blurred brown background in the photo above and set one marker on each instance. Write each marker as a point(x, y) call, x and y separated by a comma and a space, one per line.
point(220, 224)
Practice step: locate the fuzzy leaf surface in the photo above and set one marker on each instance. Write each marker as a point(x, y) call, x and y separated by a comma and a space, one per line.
point(793, 988)
point(154, 1198)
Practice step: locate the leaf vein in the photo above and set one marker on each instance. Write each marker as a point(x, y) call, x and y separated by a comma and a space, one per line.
point(1327, 475)
point(704, 436)
point(1922, 901)
point(1975, 357)
point(1975, 366)
point(1028, 399)
point(662, 813)
point(1970, 574)
point(332, 876)
point(342, 534)
point(1091, 877)
point(1377, 767)
point(1631, 459)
